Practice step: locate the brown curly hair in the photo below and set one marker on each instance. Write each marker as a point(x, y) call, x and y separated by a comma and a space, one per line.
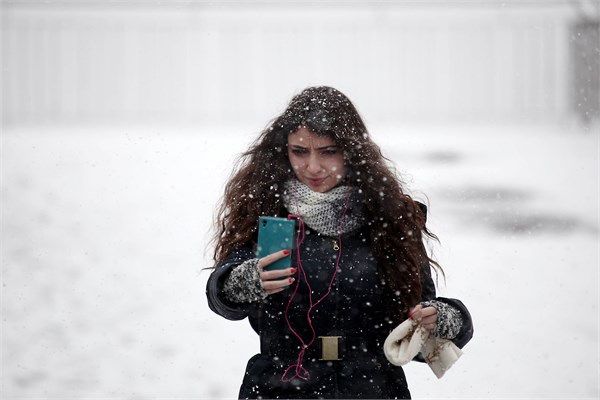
point(396, 222)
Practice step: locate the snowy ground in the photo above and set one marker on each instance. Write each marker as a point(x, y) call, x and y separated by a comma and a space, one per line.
point(103, 244)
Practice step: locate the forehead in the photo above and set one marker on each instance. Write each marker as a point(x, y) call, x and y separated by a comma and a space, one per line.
point(306, 138)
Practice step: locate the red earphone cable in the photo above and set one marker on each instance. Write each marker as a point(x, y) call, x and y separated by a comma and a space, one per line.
point(299, 370)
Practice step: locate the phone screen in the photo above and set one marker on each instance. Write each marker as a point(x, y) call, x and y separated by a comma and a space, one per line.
point(275, 234)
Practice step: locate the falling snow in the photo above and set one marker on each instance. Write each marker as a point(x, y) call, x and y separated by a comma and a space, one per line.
point(103, 249)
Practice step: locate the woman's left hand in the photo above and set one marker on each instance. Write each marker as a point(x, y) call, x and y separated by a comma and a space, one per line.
point(426, 315)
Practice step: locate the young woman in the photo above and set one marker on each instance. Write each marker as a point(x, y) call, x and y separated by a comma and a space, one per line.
point(359, 264)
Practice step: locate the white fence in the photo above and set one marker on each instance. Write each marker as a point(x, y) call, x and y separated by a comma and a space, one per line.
point(208, 63)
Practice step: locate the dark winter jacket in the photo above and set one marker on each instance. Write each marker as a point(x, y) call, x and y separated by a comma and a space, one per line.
point(354, 312)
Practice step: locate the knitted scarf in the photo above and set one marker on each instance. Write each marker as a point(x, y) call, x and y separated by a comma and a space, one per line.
point(322, 211)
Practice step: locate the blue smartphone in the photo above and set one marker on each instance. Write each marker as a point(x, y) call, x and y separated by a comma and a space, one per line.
point(275, 234)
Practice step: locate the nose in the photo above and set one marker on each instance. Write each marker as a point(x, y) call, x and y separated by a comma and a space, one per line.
point(313, 166)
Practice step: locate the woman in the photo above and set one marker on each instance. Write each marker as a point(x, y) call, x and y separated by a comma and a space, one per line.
point(359, 265)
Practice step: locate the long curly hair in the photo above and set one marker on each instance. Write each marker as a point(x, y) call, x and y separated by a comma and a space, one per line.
point(396, 222)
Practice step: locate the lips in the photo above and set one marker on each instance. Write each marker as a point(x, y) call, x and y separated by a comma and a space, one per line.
point(315, 181)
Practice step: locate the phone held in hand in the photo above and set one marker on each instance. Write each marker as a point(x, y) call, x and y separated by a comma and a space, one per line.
point(275, 234)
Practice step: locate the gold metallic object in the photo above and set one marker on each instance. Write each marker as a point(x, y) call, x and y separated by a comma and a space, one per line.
point(330, 348)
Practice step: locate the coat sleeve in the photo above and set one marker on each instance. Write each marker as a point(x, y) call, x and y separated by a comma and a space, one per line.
point(216, 281)
point(428, 289)
point(428, 293)
point(466, 331)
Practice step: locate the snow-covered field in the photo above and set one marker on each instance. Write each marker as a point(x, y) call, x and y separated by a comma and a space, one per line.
point(104, 235)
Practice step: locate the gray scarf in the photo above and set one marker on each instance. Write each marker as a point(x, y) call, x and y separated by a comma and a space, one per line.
point(323, 211)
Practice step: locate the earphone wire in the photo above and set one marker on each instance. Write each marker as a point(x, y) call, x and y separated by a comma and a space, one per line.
point(300, 371)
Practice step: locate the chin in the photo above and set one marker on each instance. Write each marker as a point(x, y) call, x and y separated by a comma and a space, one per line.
point(322, 188)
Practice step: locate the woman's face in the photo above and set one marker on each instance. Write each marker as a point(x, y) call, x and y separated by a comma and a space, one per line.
point(317, 161)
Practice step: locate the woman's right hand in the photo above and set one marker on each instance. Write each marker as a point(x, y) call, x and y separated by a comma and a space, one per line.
point(278, 279)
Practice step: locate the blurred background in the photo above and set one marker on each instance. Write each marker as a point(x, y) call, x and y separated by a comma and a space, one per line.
point(226, 62)
point(121, 121)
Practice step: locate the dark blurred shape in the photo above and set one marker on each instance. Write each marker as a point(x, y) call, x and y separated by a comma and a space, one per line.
point(585, 68)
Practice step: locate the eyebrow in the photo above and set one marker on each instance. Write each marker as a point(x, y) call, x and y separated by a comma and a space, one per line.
point(332, 146)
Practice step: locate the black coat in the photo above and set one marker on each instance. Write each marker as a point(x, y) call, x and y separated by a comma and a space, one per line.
point(355, 311)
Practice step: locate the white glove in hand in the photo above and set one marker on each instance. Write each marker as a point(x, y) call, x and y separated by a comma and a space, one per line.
point(410, 338)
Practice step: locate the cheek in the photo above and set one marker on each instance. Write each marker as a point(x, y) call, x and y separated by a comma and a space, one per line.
point(295, 163)
point(338, 166)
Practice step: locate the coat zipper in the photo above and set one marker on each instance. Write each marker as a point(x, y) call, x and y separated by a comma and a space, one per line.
point(336, 245)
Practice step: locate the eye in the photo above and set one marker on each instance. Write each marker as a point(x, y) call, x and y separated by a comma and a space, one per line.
point(298, 152)
point(331, 152)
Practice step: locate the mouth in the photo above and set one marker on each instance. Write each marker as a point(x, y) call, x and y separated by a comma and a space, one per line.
point(315, 181)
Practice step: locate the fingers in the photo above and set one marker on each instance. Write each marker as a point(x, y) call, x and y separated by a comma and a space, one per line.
point(428, 313)
point(276, 274)
point(415, 313)
point(271, 258)
point(277, 280)
point(427, 316)
point(278, 285)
